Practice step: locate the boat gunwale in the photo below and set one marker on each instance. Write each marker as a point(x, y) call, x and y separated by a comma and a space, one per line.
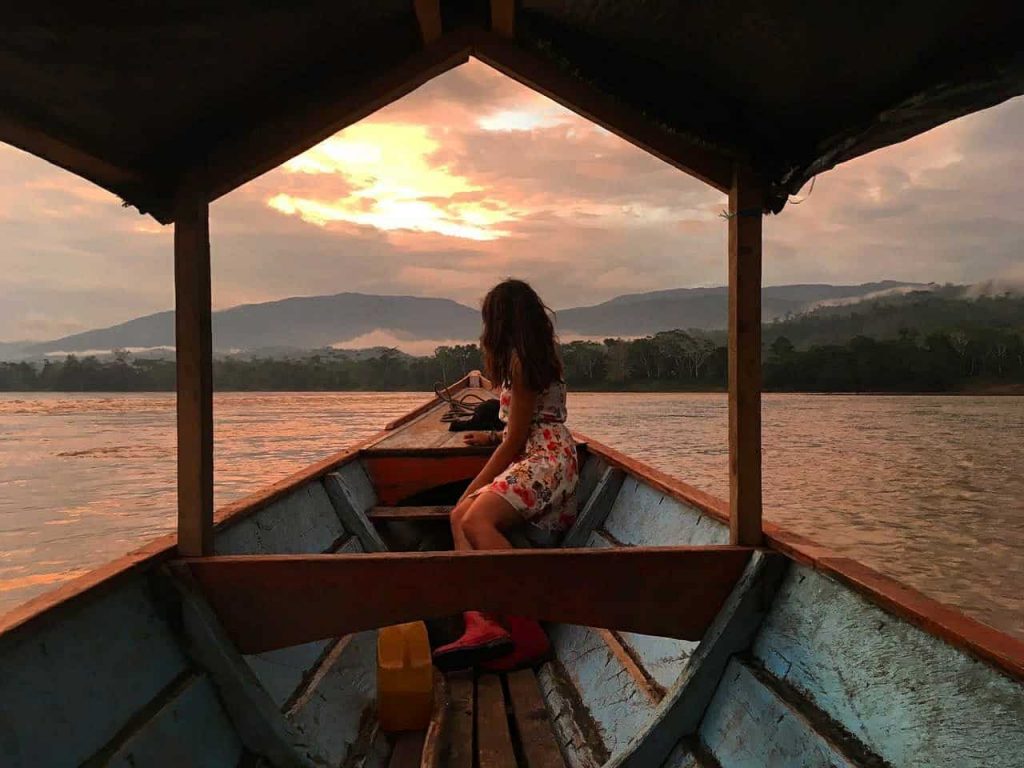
point(945, 622)
point(164, 548)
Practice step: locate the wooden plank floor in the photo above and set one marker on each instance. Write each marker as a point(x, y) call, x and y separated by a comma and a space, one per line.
point(499, 721)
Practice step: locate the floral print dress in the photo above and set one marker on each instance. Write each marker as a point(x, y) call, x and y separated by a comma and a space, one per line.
point(541, 483)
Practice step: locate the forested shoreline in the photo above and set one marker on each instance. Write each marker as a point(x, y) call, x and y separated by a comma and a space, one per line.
point(952, 361)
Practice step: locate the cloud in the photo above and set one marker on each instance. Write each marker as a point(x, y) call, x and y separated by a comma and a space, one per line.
point(472, 178)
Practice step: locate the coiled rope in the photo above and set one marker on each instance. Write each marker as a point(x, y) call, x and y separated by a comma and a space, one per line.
point(458, 408)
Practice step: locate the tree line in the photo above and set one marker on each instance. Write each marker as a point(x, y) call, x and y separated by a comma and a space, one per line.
point(670, 360)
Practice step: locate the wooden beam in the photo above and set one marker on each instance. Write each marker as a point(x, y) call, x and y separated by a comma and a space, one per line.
point(294, 128)
point(746, 204)
point(351, 514)
point(194, 354)
point(261, 726)
point(428, 15)
point(595, 509)
point(410, 514)
point(80, 162)
point(731, 632)
point(543, 76)
point(273, 601)
point(503, 18)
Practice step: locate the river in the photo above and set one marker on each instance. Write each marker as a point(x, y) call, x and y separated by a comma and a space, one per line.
point(929, 490)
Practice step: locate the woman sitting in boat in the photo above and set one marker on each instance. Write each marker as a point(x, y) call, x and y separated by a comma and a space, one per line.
point(528, 486)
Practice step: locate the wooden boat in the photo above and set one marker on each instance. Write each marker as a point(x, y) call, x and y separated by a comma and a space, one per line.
point(690, 634)
point(786, 655)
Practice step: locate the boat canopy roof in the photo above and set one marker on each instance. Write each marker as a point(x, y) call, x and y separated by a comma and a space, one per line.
point(139, 97)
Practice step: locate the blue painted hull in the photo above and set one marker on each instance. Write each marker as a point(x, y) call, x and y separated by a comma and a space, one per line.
point(824, 676)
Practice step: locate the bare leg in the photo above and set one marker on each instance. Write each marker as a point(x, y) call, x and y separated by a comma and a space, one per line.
point(485, 520)
point(458, 516)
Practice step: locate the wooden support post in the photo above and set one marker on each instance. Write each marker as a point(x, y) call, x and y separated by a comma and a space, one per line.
point(194, 353)
point(746, 203)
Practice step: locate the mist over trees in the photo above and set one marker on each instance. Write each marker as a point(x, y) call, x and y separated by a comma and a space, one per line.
point(670, 360)
point(933, 341)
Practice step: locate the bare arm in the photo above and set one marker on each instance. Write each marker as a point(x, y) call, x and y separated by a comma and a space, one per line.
point(520, 415)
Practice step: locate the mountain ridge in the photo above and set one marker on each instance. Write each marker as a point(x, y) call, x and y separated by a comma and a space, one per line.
point(354, 318)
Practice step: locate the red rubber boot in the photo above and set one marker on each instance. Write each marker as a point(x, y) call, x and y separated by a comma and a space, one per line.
point(483, 639)
point(530, 646)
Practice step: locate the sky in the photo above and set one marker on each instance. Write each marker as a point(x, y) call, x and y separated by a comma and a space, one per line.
point(473, 178)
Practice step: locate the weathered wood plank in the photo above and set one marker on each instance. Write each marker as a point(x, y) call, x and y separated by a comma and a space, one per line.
point(304, 521)
point(435, 740)
point(908, 696)
point(280, 672)
point(428, 15)
point(576, 730)
point(189, 730)
point(503, 18)
point(644, 516)
point(494, 742)
point(602, 685)
point(284, 671)
point(683, 757)
point(661, 659)
point(461, 749)
point(748, 725)
point(536, 738)
point(68, 686)
point(408, 750)
point(312, 595)
point(256, 718)
point(746, 204)
point(671, 486)
point(194, 356)
point(595, 509)
point(407, 514)
point(592, 469)
point(731, 632)
point(348, 505)
point(331, 718)
point(398, 477)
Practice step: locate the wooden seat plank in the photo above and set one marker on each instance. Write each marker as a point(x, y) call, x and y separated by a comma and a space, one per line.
point(494, 741)
point(460, 725)
point(407, 751)
point(407, 514)
point(536, 736)
point(669, 591)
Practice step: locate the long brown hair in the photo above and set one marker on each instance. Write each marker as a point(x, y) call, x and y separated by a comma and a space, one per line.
point(518, 327)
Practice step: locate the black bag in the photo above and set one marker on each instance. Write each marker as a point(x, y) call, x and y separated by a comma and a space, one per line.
point(483, 419)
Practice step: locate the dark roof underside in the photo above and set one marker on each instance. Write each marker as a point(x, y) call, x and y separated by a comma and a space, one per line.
point(137, 96)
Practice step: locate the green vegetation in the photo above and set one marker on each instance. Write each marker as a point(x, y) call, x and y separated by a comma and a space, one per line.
point(935, 341)
point(962, 359)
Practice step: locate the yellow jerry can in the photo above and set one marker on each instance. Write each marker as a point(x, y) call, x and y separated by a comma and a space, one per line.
point(405, 677)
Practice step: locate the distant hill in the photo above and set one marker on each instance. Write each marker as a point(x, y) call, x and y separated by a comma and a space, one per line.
point(640, 314)
point(279, 328)
point(887, 317)
point(308, 322)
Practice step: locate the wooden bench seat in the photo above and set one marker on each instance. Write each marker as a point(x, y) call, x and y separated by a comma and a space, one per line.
point(409, 514)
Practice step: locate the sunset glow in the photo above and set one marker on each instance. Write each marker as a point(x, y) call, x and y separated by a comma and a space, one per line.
point(474, 177)
point(396, 184)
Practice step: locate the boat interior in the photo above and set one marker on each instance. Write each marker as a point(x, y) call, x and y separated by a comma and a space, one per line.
point(691, 632)
point(265, 652)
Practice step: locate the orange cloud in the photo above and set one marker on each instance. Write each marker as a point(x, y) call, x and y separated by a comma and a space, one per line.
point(396, 186)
